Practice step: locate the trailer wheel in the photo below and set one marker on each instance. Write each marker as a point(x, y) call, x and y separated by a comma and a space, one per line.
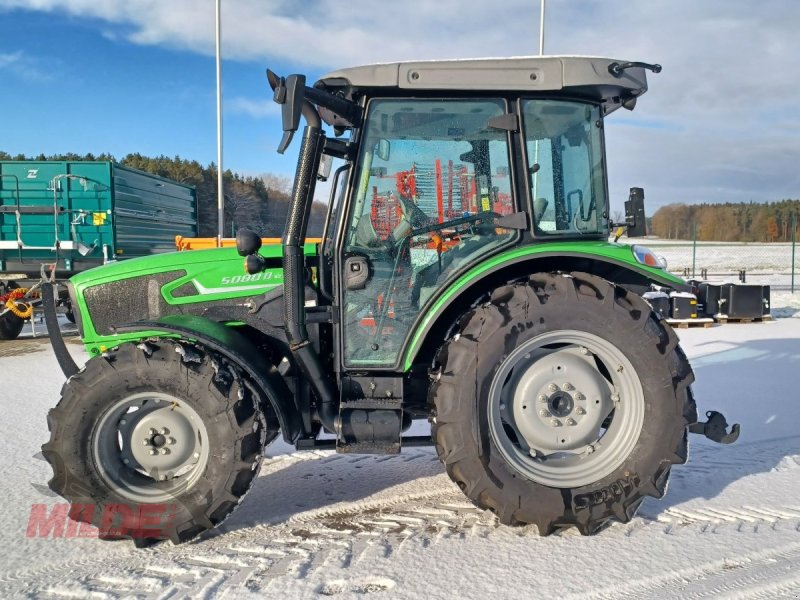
point(564, 401)
point(10, 326)
point(156, 441)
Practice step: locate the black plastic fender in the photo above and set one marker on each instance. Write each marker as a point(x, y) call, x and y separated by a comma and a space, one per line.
point(238, 349)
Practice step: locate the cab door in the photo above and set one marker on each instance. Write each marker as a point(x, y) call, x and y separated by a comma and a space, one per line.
point(431, 181)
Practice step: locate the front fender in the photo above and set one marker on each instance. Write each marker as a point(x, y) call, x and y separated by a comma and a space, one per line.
point(239, 350)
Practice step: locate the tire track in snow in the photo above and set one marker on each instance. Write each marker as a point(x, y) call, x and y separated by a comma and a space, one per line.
point(763, 574)
point(297, 548)
point(252, 558)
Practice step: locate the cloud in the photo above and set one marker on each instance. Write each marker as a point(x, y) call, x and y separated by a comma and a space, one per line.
point(724, 106)
point(23, 66)
point(254, 108)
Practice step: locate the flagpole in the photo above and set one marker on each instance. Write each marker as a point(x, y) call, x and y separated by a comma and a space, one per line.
point(220, 192)
point(541, 31)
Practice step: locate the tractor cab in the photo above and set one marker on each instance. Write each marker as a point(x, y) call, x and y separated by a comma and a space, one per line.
point(448, 163)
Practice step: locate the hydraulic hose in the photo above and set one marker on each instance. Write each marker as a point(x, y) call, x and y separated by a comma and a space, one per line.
point(294, 315)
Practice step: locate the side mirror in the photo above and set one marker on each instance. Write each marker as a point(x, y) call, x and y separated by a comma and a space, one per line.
point(247, 242)
point(634, 213)
point(290, 93)
point(382, 149)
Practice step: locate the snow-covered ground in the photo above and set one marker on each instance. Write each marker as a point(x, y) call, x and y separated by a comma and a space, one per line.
point(319, 524)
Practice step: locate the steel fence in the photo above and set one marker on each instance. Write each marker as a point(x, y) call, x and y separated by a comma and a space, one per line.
point(771, 264)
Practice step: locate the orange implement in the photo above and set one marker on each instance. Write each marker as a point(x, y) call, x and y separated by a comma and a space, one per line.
point(185, 243)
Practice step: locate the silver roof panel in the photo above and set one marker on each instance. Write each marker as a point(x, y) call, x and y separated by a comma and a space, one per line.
point(585, 75)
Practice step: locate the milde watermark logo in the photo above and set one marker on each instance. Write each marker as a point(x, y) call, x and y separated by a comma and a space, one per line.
point(64, 520)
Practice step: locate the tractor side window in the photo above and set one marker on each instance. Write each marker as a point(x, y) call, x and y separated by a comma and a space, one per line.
point(433, 178)
point(565, 158)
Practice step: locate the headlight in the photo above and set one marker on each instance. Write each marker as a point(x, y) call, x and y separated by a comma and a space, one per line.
point(645, 256)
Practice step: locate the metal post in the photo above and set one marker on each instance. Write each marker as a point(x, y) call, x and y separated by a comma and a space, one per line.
point(220, 187)
point(794, 243)
point(541, 31)
point(694, 245)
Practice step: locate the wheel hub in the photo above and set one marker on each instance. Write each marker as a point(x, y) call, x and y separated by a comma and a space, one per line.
point(561, 404)
point(565, 408)
point(148, 438)
point(560, 400)
point(169, 442)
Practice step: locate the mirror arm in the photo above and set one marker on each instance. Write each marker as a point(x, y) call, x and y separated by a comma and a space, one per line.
point(339, 148)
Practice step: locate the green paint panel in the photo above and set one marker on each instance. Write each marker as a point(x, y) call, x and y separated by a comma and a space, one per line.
point(209, 276)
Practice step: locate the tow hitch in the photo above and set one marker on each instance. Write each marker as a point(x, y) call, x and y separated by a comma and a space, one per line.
point(716, 428)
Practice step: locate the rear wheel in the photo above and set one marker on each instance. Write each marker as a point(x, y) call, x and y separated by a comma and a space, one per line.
point(562, 402)
point(156, 441)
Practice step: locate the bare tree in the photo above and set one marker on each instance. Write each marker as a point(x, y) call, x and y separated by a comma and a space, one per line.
point(277, 183)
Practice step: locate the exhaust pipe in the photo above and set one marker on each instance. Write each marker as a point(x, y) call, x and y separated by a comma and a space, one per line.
point(294, 315)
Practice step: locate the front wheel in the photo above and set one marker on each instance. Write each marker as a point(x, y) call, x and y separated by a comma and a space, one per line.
point(155, 441)
point(562, 402)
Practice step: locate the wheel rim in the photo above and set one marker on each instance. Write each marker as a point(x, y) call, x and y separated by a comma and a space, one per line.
point(566, 408)
point(150, 447)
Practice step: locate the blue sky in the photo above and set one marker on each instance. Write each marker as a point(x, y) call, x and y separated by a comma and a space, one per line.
point(720, 123)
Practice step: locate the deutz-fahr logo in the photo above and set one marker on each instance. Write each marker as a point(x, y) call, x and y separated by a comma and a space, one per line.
point(32, 173)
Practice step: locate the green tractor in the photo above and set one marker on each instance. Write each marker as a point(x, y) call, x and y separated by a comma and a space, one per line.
point(464, 278)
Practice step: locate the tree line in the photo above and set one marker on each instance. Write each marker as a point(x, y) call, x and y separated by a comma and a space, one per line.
point(742, 222)
point(257, 202)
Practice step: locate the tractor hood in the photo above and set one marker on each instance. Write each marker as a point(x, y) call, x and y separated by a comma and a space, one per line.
point(211, 260)
point(190, 282)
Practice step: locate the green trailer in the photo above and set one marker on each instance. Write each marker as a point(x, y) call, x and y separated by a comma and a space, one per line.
point(80, 214)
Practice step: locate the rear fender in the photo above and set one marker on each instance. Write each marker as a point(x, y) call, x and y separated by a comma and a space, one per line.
point(240, 351)
point(465, 292)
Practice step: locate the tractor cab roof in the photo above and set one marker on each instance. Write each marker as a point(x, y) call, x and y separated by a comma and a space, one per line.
point(611, 82)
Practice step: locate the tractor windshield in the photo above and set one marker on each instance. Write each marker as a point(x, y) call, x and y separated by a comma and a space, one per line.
point(433, 179)
point(565, 154)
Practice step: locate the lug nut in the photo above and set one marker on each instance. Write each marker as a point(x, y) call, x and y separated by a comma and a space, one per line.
point(552, 387)
point(146, 441)
point(580, 411)
point(163, 431)
point(584, 350)
point(580, 397)
point(153, 452)
point(555, 423)
point(568, 387)
point(571, 422)
point(165, 451)
point(542, 398)
point(171, 441)
point(544, 413)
